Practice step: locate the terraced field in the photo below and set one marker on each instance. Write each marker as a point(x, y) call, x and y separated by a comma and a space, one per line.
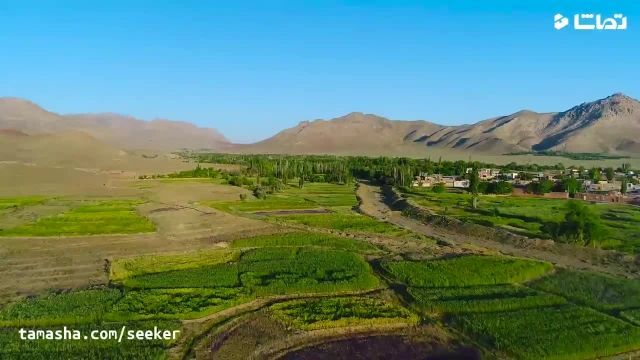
point(491, 299)
point(533, 216)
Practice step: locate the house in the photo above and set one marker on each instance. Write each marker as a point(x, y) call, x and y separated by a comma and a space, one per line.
point(601, 186)
point(462, 184)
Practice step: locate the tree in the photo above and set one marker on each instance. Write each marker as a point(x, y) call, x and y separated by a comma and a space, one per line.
point(438, 188)
point(570, 185)
point(301, 182)
point(610, 173)
point(595, 175)
point(474, 182)
point(623, 187)
point(581, 225)
point(541, 187)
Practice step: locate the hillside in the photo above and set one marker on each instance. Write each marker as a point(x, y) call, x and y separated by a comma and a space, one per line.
point(609, 125)
point(117, 130)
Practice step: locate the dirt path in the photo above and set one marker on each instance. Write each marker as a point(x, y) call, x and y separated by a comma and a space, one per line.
point(373, 204)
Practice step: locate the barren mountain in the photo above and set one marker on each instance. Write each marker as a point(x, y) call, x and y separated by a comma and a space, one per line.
point(352, 133)
point(117, 130)
point(608, 125)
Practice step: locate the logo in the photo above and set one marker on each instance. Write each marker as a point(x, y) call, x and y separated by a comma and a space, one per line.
point(560, 21)
point(591, 22)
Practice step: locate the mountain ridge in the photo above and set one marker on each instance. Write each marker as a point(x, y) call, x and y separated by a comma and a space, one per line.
point(608, 125)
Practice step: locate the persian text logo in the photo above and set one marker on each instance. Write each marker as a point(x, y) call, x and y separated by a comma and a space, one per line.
point(560, 21)
point(591, 22)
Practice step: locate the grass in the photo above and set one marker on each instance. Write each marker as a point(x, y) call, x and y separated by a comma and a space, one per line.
point(312, 195)
point(344, 221)
point(101, 217)
point(562, 332)
point(602, 292)
point(18, 202)
point(174, 303)
point(531, 216)
point(127, 268)
point(305, 239)
point(313, 314)
point(79, 307)
point(632, 315)
point(187, 292)
point(480, 299)
point(466, 271)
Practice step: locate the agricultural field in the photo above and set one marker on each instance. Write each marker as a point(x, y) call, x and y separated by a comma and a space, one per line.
point(88, 218)
point(479, 299)
point(552, 332)
point(491, 299)
point(299, 239)
point(343, 220)
point(316, 205)
point(599, 291)
point(19, 202)
point(466, 271)
point(533, 216)
point(312, 195)
point(191, 285)
point(339, 312)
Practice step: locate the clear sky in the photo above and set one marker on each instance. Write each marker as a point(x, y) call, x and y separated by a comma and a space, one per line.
point(251, 69)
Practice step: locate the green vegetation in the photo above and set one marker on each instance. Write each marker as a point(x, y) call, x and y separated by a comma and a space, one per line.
point(562, 332)
point(174, 303)
point(15, 348)
point(17, 202)
point(492, 298)
point(312, 195)
point(312, 314)
point(100, 217)
point(602, 292)
point(203, 289)
point(344, 221)
point(632, 315)
point(79, 307)
point(127, 268)
point(466, 271)
point(572, 156)
point(298, 239)
point(536, 217)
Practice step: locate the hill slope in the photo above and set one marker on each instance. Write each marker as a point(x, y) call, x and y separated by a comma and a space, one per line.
point(608, 125)
point(116, 130)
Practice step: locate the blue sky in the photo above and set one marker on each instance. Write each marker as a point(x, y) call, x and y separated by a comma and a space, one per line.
point(251, 69)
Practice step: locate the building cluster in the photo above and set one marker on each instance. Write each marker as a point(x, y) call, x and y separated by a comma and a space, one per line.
point(520, 179)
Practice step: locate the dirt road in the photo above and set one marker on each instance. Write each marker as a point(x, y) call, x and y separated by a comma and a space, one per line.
point(373, 204)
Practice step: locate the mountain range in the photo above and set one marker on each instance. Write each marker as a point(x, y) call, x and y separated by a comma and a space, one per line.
point(609, 125)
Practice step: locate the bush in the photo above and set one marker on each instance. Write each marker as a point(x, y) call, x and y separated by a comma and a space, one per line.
point(438, 188)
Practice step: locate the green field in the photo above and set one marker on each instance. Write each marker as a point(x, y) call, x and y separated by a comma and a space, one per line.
point(466, 271)
point(312, 195)
point(79, 307)
point(18, 202)
point(533, 216)
point(298, 239)
point(187, 289)
point(325, 313)
point(484, 298)
point(95, 217)
point(562, 332)
point(602, 292)
point(472, 299)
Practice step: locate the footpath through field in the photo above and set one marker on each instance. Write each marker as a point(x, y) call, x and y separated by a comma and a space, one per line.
point(373, 204)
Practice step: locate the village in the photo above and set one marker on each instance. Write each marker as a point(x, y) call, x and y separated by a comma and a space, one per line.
point(599, 185)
